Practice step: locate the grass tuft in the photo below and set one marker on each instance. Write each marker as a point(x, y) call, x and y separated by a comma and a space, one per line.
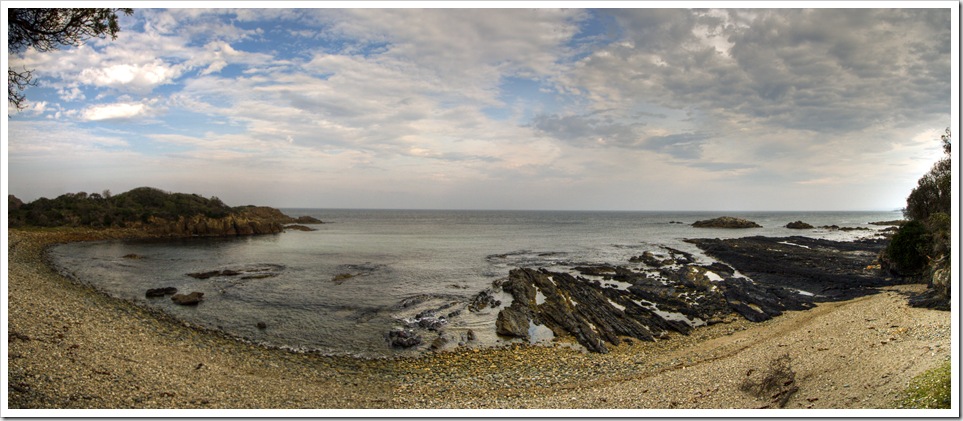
point(929, 390)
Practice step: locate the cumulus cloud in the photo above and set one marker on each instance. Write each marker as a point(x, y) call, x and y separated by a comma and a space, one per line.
point(599, 101)
point(115, 111)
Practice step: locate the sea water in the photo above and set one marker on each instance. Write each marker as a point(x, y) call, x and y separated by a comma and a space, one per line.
point(400, 262)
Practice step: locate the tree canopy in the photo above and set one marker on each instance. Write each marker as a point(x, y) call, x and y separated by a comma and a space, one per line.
point(933, 192)
point(97, 210)
point(50, 29)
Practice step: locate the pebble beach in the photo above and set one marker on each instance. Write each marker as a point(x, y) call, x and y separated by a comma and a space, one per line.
point(71, 346)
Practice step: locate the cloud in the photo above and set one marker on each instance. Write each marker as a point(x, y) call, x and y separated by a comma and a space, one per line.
point(592, 130)
point(124, 110)
point(541, 107)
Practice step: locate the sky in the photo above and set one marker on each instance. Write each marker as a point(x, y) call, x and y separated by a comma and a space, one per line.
point(465, 108)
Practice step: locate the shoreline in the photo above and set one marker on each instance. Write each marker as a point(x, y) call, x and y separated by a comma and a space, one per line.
point(71, 346)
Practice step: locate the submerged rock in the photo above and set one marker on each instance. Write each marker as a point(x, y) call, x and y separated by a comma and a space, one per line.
point(191, 299)
point(726, 222)
point(160, 292)
point(298, 227)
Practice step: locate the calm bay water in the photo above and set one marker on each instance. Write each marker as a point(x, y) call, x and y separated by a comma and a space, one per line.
point(403, 260)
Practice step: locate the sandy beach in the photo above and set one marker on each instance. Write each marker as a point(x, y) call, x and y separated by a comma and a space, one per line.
point(71, 346)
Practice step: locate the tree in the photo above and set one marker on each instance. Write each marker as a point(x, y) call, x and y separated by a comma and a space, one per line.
point(49, 29)
point(933, 192)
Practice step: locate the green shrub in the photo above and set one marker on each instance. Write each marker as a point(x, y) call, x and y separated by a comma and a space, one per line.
point(907, 250)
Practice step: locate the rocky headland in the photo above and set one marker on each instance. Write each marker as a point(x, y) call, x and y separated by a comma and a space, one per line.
point(155, 212)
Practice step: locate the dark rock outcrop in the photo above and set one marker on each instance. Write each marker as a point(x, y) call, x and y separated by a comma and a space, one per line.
point(726, 222)
point(677, 294)
point(831, 270)
point(297, 227)
point(213, 273)
point(483, 300)
point(428, 320)
point(403, 338)
point(160, 292)
point(512, 321)
point(839, 228)
point(307, 220)
point(191, 299)
point(798, 225)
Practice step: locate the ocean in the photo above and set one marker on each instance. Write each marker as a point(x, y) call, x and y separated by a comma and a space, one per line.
point(400, 263)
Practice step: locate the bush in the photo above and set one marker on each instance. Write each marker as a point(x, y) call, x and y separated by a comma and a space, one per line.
point(907, 250)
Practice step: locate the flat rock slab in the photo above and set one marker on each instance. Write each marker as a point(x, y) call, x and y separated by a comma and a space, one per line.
point(831, 270)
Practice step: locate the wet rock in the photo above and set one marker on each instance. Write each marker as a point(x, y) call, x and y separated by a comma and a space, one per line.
point(307, 220)
point(213, 273)
point(191, 299)
point(403, 338)
point(298, 227)
point(439, 343)
point(652, 260)
point(726, 222)
point(261, 325)
point(160, 292)
point(571, 307)
point(470, 335)
point(832, 270)
point(798, 225)
point(427, 320)
point(483, 300)
point(844, 229)
point(512, 322)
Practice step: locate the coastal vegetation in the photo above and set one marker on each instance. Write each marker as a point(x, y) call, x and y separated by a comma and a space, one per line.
point(921, 247)
point(106, 210)
point(149, 209)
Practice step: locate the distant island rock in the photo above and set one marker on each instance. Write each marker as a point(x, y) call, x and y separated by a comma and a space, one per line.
point(799, 225)
point(726, 222)
point(298, 227)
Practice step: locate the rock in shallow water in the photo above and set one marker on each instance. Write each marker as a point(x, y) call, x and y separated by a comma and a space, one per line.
point(726, 222)
point(191, 299)
point(160, 292)
point(403, 338)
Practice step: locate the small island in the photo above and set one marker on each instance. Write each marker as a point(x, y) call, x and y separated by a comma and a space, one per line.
point(726, 222)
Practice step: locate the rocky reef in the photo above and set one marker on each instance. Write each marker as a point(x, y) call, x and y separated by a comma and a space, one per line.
point(726, 222)
point(830, 270)
point(603, 305)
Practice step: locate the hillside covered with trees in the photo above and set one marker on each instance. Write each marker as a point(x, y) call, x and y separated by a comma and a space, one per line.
point(157, 211)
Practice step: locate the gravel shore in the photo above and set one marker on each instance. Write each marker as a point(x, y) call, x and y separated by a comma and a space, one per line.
point(70, 346)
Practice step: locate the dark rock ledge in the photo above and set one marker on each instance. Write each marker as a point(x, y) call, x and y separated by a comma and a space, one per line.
point(676, 294)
